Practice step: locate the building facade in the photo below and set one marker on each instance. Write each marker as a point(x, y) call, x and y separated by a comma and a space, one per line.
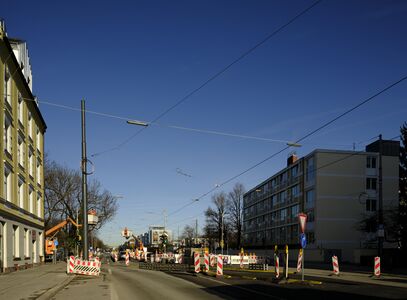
point(22, 157)
point(337, 190)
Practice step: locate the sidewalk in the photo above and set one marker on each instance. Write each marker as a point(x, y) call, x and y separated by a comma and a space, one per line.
point(39, 282)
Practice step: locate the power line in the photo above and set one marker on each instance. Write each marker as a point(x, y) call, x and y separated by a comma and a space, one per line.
point(213, 77)
point(299, 140)
point(213, 132)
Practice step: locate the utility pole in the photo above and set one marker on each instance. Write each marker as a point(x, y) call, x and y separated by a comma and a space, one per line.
point(196, 231)
point(84, 186)
point(380, 231)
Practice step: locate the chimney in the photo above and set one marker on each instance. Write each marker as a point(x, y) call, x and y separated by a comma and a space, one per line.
point(292, 158)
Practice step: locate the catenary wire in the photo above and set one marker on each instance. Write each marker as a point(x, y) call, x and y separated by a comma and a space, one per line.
point(313, 171)
point(213, 132)
point(213, 77)
point(388, 87)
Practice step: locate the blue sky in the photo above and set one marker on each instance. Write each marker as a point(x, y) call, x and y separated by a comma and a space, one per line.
point(135, 59)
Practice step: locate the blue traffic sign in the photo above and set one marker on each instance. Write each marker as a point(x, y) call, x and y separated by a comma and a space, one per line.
point(303, 240)
point(56, 243)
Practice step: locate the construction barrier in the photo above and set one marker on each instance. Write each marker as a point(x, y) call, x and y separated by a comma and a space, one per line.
point(219, 268)
point(377, 266)
point(206, 260)
point(299, 261)
point(197, 262)
point(335, 265)
point(127, 259)
point(277, 265)
point(213, 260)
point(70, 264)
point(241, 261)
point(84, 267)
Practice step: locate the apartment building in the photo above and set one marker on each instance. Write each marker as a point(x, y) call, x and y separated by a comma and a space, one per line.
point(337, 190)
point(22, 157)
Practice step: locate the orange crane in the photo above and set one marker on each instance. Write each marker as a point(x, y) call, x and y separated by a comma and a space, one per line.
point(49, 240)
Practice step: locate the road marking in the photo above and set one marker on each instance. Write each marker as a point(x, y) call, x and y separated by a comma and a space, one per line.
point(242, 288)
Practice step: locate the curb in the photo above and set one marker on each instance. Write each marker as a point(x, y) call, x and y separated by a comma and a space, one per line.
point(54, 290)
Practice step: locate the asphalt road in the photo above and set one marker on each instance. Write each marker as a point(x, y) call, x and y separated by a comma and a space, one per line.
point(121, 282)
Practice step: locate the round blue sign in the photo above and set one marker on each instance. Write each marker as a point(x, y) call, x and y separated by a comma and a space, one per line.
point(303, 240)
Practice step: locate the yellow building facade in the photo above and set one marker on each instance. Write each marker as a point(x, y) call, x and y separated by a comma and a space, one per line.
point(22, 158)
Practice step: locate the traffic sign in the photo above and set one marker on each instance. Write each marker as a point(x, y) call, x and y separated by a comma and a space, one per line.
point(303, 240)
point(55, 243)
point(302, 218)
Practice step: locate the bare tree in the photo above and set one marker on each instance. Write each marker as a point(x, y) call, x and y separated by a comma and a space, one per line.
point(63, 197)
point(235, 211)
point(188, 234)
point(215, 217)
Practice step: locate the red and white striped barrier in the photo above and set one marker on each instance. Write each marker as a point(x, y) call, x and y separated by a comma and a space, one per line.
point(70, 264)
point(377, 266)
point(84, 267)
point(127, 259)
point(212, 260)
point(197, 262)
point(219, 267)
point(277, 265)
point(299, 261)
point(335, 265)
point(206, 260)
point(241, 261)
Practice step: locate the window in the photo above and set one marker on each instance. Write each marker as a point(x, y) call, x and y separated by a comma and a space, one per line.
point(310, 174)
point(7, 182)
point(283, 178)
point(16, 238)
point(310, 216)
point(371, 162)
point(295, 191)
point(371, 205)
point(295, 211)
point(38, 171)
point(38, 139)
point(31, 199)
point(283, 214)
point(30, 124)
point(20, 108)
point(7, 133)
point(21, 150)
point(30, 162)
point(39, 205)
point(20, 191)
point(26, 242)
point(7, 86)
point(310, 199)
point(371, 183)
point(294, 171)
point(310, 237)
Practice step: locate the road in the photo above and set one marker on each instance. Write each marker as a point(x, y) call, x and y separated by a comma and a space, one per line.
point(122, 282)
point(128, 282)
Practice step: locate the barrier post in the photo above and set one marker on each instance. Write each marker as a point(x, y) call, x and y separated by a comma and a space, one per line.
point(276, 261)
point(299, 261)
point(197, 262)
point(335, 265)
point(206, 260)
point(377, 266)
point(219, 268)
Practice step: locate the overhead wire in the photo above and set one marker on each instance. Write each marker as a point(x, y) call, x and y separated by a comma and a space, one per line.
point(213, 77)
point(297, 141)
point(312, 171)
point(213, 132)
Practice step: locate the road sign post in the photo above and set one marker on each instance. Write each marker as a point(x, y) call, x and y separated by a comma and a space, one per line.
point(302, 219)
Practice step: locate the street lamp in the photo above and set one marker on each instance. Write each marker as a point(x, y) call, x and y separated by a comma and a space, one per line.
point(293, 144)
point(136, 122)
